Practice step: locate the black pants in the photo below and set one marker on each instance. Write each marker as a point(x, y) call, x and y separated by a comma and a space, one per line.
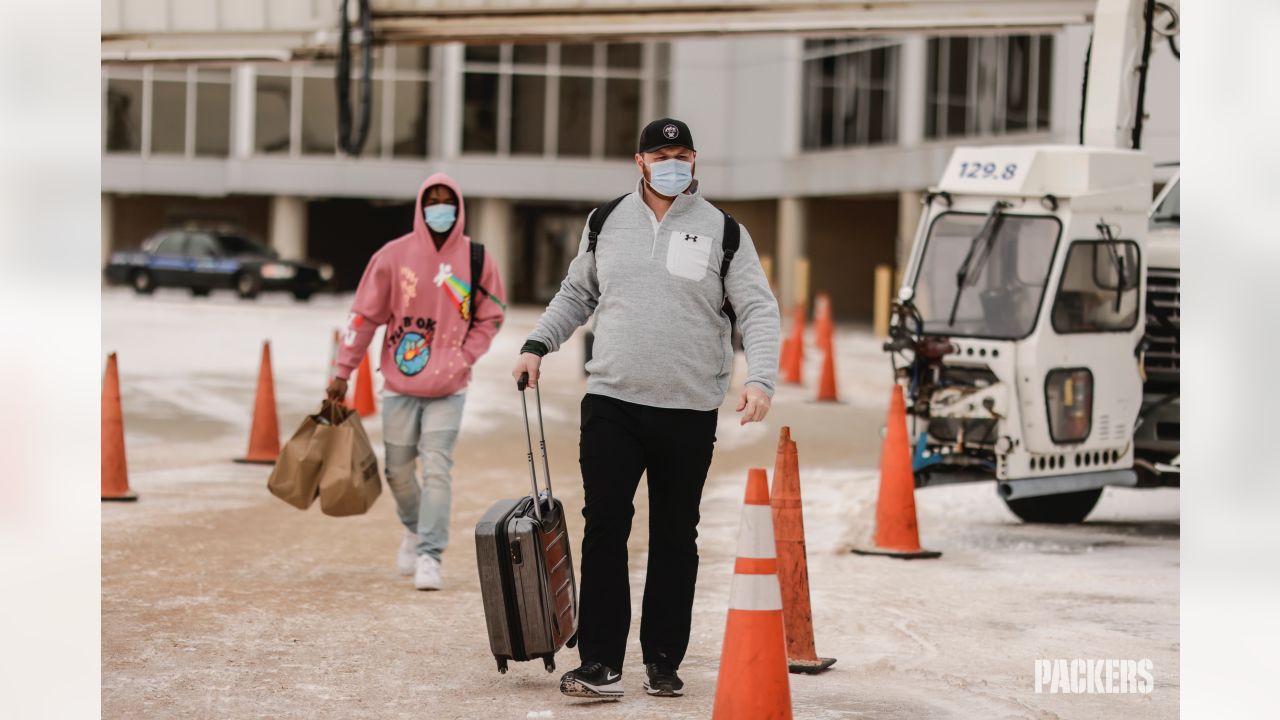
point(620, 441)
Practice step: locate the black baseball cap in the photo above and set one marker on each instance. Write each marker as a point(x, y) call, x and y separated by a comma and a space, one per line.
point(665, 132)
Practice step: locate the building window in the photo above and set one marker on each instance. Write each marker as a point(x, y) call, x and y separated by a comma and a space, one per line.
point(167, 110)
point(273, 103)
point(124, 114)
point(562, 100)
point(213, 113)
point(988, 85)
point(850, 92)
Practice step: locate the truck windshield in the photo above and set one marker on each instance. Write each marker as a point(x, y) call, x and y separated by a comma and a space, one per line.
point(1000, 297)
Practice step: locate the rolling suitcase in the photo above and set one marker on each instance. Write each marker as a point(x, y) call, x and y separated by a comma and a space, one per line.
point(526, 569)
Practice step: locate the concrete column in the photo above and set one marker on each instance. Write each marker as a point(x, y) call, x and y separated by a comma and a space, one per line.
point(289, 226)
point(448, 119)
point(913, 75)
point(792, 246)
point(108, 226)
point(243, 81)
point(491, 221)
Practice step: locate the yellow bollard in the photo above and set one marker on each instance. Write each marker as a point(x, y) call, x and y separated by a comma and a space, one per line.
point(883, 291)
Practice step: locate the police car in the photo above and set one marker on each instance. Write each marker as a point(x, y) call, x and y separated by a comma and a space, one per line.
point(204, 260)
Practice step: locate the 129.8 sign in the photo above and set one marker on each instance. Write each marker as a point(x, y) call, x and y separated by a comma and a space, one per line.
point(988, 171)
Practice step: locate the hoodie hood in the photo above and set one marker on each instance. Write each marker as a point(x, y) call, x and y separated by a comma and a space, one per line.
point(420, 229)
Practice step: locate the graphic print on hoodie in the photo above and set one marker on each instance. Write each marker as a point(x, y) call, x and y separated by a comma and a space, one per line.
point(423, 295)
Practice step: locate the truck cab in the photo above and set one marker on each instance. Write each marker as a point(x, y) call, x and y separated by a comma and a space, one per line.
point(1018, 330)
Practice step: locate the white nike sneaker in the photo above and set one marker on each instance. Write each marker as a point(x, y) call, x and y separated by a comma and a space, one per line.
point(407, 556)
point(427, 576)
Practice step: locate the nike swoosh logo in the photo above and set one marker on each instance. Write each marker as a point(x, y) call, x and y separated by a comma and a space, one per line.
point(611, 678)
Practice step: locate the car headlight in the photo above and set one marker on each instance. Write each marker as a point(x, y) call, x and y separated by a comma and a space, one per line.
point(278, 271)
point(1068, 393)
point(326, 272)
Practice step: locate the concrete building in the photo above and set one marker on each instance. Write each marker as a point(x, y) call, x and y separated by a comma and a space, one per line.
point(820, 146)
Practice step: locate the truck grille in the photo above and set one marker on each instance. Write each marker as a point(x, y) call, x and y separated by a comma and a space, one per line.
point(1163, 319)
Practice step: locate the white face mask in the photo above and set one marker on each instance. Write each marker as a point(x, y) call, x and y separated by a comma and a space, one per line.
point(670, 177)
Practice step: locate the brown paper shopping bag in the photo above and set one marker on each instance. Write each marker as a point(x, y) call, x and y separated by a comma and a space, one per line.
point(295, 478)
point(349, 480)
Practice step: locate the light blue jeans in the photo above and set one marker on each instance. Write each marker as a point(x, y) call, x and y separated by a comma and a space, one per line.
point(414, 427)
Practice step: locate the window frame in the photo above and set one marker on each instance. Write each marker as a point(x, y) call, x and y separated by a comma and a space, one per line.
point(986, 86)
point(1138, 286)
point(850, 81)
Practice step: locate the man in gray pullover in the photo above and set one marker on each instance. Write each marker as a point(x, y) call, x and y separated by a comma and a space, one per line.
point(660, 369)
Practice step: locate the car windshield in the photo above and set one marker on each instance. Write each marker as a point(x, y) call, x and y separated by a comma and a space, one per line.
point(1000, 294)
point(1169, 212)
point(240, 245)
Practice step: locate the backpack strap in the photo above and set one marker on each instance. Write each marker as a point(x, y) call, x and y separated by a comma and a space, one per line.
point(477, 269)
point(596, 220)
point(732, 238)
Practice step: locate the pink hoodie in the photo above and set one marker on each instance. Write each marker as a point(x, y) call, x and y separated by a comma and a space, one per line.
point(420, 294)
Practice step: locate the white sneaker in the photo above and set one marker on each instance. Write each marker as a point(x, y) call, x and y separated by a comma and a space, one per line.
point(407, 556)
point(427, 576)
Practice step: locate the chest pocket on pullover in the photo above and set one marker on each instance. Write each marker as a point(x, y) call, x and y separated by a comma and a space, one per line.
point(688, 255)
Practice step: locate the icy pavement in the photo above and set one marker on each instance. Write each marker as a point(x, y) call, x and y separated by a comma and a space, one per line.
point(220, 601)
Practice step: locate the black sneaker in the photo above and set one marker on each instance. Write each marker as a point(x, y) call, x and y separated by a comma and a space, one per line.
point(594, 681)
point(661, 680)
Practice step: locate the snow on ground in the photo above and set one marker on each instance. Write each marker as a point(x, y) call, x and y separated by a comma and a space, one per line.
point(219, 601)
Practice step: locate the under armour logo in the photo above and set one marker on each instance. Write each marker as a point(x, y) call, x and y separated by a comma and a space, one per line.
point(690, 238)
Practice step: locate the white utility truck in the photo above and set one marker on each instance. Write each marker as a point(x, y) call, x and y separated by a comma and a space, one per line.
point(1028, 313)
point(1021, 320)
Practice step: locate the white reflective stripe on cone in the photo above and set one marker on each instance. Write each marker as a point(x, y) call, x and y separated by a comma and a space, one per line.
point(755, 592)
point(755, 538)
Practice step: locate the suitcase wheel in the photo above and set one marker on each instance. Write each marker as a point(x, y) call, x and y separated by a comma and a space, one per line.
point(573, 640)
point(549, 664)
point(502, 665)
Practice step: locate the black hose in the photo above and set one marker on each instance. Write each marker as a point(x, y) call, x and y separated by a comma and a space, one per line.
point(1142, 72)
point(1084, 86)
point(350, 142)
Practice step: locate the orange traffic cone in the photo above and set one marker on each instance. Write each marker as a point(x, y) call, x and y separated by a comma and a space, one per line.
point(264, 436)
point(115, 471)
point(827, 383)
point(793, 355)
point(365, 404)
point(823, 323)
point(897, 534)
point(333, 358)
point(793, 563)
point(753, 682)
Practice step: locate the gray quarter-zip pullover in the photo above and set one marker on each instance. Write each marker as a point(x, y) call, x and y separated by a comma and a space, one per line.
point(661, 338)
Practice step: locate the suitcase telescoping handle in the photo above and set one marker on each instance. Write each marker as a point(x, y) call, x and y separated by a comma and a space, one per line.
point(521, 384)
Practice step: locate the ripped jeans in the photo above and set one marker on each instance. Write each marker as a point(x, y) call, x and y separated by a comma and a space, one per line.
point(414, 427)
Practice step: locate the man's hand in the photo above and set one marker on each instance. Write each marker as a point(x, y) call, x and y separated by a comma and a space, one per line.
point(755, 402)
point(528, 363)
point(337, 391)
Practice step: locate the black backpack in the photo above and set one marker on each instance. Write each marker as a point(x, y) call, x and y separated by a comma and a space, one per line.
point(732, 237)
point(477, 268)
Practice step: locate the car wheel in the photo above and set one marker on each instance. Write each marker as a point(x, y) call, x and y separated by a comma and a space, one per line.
point(1056, 509)
point(142, 282)
point(200, 292)
point(302, 295)
point(248, 285)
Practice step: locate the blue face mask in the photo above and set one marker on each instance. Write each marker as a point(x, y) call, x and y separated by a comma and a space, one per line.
point(440, 217)
point(670, 177)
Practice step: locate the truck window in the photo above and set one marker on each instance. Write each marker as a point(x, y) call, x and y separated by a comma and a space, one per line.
point(1099, 288)
point(1002, 297)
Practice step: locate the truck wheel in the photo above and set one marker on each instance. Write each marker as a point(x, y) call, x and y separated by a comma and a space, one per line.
point(200, 292)
point(248, 285)
point(1056, 509)
point(142, 282)
point(302, 295)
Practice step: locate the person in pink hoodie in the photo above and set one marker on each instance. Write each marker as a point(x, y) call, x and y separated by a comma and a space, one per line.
point(439, 321)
